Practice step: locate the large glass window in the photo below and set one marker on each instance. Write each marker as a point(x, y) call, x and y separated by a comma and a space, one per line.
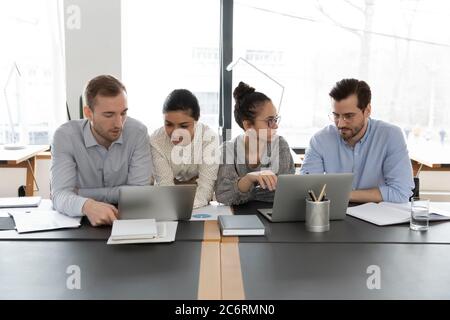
point(32, 96)
point(168, 45)
point(401, 48)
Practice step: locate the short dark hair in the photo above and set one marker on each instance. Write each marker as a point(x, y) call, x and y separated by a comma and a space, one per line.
point(247, 101)
point(346, 87)
point(182, 100)
point(103, 85)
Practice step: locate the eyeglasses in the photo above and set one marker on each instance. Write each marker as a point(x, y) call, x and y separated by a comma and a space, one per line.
point(347, 117)
point(271, 122)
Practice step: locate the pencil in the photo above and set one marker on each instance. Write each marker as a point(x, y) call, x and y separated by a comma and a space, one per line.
point(314, 196)
point(322, 192)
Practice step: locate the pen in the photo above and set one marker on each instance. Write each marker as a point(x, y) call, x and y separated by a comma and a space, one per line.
point(311, 195)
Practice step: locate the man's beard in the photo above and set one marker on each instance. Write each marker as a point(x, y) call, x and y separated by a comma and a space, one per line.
point(354, 132)
point(105, 134)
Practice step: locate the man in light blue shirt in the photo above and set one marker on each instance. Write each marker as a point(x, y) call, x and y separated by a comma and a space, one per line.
point(92, 158)
point(373, 150)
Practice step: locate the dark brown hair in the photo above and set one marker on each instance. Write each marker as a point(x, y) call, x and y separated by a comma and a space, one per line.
point(182, 100)
point(247, 101)
point(104, 85)
point(346, 87)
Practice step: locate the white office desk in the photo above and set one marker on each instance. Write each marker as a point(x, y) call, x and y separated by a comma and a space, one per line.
point(432, 155)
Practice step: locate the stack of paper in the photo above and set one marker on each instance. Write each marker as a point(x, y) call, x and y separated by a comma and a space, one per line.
point(142, 231)
point(386, 213)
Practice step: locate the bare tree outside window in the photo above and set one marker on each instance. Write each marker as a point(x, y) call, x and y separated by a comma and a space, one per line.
point(399, 47)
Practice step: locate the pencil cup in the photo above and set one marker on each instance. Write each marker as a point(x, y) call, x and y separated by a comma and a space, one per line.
point(317, 217)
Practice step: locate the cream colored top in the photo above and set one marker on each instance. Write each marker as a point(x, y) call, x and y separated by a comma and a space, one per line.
point(199, 159)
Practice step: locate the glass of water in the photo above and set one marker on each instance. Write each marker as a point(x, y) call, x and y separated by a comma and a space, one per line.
point(420, 214)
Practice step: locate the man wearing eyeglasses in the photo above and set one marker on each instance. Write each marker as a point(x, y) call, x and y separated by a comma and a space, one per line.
point(373, 150)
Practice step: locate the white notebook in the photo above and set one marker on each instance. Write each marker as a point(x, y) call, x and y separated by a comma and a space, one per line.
point(166, 232)
point(134, 229)
point(387, 213)
point(20, 202)
point(241, 225)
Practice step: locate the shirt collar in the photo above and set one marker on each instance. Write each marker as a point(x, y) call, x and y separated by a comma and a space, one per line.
point(367, 133)
point(89, 140)
point(120, 138)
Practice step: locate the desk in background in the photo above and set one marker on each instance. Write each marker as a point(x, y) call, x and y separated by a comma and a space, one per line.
point(23, 158)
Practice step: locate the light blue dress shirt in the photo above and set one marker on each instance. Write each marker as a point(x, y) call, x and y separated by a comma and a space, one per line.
point(83, 169)
point(380, 159)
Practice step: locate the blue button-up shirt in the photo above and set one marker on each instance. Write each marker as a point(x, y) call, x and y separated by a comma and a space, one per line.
point(83, 169)
point(380, 159)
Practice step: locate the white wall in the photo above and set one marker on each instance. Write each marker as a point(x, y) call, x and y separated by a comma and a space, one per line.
point(92, 47)
point(92, 44)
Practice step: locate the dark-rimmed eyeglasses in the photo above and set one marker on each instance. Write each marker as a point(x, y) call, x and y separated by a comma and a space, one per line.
point(347, 117)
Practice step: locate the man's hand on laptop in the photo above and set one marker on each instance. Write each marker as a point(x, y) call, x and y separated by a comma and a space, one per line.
point(266, 179)
point(100, 213)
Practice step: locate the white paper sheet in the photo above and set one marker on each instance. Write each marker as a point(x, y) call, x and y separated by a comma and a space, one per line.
point(442, 208)
point(379, 214)
point(388, 213)
point(39, 220)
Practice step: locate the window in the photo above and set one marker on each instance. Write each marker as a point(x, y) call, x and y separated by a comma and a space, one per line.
point(31, 33)
point(399, 47)
point(168, 45)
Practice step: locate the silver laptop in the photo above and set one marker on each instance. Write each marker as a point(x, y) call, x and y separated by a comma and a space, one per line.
point(162, 203)
point(289, 202)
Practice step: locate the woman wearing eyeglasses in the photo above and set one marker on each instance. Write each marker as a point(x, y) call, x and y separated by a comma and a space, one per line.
point(252, 161)
point(185, 151)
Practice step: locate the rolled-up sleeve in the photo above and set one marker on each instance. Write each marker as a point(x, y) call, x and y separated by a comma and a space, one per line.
point(397, 170)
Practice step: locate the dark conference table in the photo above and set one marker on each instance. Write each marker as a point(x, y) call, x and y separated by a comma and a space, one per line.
point(287, 263)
